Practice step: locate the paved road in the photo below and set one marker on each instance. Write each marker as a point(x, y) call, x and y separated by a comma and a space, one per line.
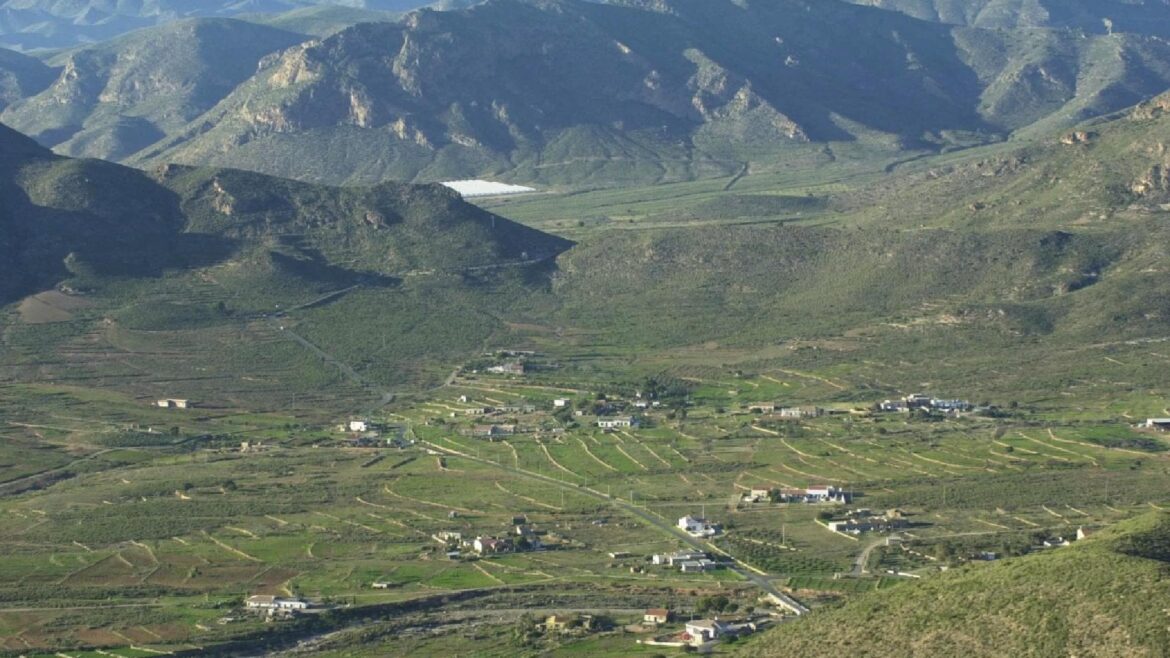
point(759, 580)
point(863, 559)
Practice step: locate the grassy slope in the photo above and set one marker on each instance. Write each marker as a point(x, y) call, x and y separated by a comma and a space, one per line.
point(1096, 598)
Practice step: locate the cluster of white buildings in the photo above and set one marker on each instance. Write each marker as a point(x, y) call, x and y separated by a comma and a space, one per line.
point(787, 413)
point(919, 401)
point(275, 603)
point(687, 561)
point(817, 493)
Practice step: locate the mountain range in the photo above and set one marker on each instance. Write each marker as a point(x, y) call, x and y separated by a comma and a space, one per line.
point(578, 93)
point(1091, 16)
point(55, 24)
point(568, 92)
point(112, 99)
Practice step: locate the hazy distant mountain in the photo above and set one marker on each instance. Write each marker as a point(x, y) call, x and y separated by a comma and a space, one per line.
point(49, 24)
point(1093, 16)
point(115, 98)
point(572, 91)
point(21, 76)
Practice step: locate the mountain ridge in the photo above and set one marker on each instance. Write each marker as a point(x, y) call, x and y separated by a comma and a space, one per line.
point(53, 24)
point(111, 99)
point(465, 94)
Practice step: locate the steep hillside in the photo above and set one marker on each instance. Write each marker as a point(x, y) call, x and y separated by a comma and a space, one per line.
point(571, 91)
point(21, 76)
point(113, 99)
point(66, 216)
point(1095, 598)
point(1107, 174)
point(1150, 17)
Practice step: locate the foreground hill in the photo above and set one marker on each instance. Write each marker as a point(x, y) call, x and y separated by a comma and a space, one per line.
point(113, 99)
point(572, 91)
point(67, 216)
point(1096, 598)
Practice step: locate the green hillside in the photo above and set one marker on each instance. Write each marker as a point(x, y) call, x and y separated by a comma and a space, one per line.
point(1095, 598)
point(201, 256)
point(1103, 175)
point(587, 94)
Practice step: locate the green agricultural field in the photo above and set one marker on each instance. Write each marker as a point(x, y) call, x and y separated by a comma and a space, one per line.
point(165, 539)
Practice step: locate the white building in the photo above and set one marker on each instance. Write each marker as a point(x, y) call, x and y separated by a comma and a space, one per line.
point(757, 495)
point(269, 602)
point(698, 527)
point(619, 422)
point(705, 630)
point(821, 492)
point(358, 426)
point(674, 559)
point(560, 403)
point(172, 403)
point(796, 413)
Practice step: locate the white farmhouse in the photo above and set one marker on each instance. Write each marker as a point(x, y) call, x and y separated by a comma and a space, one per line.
point(269, 602)
point(705, 630)
point(698, 527)
point(619, 422)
